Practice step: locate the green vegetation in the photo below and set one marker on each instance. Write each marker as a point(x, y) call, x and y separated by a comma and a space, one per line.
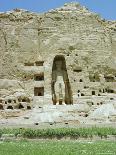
point(60, 132)
point(57, 148)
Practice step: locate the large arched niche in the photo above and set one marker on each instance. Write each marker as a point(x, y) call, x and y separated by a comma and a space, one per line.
point(60, 85)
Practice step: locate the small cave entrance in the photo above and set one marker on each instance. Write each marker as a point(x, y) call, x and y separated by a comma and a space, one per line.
point(10, 107)
point(14, 101)
point(60, 85)
point(1, 107)
point(109, 78)
point(21, 106)
point(9, 101)
point(110, 91)
point(39, 91)
point(39, 63)
point(28, 107)
point(93, 92)
point(39, 77)
point(80, 80)
point(23, 100)
point(82, 94)
point(29, 64)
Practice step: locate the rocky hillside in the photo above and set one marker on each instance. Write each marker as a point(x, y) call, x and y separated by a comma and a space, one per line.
point(71, 29)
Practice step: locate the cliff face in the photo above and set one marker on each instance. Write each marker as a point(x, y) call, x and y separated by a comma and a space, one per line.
point(19, 40)
point(31, 45)
point(70, 30)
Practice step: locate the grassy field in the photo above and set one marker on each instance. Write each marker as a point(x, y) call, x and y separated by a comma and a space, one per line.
point(57, 148)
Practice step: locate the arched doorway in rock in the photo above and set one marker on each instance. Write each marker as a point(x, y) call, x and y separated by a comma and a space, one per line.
point(60, 85)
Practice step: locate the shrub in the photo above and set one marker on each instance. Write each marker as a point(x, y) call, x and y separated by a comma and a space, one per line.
point(60, 132)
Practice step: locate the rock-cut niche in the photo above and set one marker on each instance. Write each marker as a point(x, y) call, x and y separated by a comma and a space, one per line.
point(61, 88)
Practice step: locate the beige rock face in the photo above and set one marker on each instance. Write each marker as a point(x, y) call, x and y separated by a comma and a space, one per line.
point(65, 56)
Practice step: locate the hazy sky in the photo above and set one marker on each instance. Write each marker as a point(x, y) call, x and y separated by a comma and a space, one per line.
point(107, 8)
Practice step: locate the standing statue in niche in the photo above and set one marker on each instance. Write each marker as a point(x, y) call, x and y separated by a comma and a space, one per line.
point(60, 82)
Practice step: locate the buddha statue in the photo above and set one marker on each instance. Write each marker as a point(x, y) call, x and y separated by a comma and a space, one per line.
point(61, 92)
point(58, 83)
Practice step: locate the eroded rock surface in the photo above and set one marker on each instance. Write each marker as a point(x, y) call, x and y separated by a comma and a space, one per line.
point(66, 56)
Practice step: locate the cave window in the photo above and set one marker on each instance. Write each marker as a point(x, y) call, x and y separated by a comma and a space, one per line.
point(93, 92)
point(86, 115)
point(78, 91)
point(9, 101)
point(110, 91)
point(80, 80)
point(82, 94)
point(39, 63)
point(9, 107)
point(39, 91)
point(85, 87)
point(77, 69)
point(39, 77)
point(29, 64)
point(109, 78)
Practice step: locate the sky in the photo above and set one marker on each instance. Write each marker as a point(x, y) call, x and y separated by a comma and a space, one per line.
point(106, 8)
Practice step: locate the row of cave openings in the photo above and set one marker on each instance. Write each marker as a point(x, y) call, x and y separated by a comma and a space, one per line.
point(94, 92)
point(21, 103)
point(40, 77)
point(96, 78)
